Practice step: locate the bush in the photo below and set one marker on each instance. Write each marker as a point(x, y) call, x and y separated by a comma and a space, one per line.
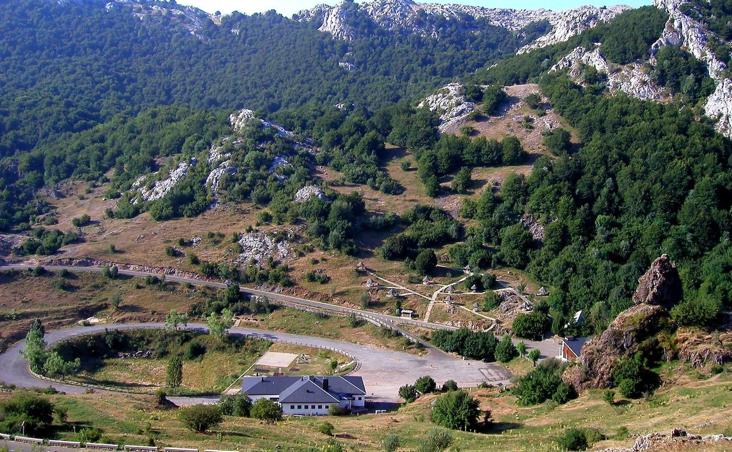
point(174, 376)
point(491, 301)
point(471, 344)
point(456, 410)
point(531, 326)
point(449, 385)
point(266, 410)
point(237, 405)
point(200, 418)
point(425, 385)
point(573, 439)
point(408, 393)
point(505, 350)
point(195, 350)
point(326, 428)
point(390, 443)
point(26, 410)
point(541, 384)
point(493, 98)
point(701, 312)
point(425, 262)
point(632, 377)
point(557, 141)
point(337, 410)
point(437, 439)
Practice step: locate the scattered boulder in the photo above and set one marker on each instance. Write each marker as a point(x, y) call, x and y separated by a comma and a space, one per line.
point(258, 247)
point(162, 187)
point(535, 228)
point(700, 348)
point(308, 192)
point(660, 285)
point(451, 104)
point(676, 439)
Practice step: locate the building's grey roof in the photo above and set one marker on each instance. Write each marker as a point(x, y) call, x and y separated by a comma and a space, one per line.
point(308, 391)
point(576, 343)
point(331, 389)
point(267, 385)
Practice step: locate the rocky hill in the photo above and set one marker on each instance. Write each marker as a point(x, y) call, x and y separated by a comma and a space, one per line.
point(344, 20)
point(684, 29)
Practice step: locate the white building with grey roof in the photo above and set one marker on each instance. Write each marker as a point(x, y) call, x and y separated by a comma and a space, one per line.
point(308, 395)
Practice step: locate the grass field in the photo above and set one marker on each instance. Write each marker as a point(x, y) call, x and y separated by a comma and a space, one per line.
point(700, 404)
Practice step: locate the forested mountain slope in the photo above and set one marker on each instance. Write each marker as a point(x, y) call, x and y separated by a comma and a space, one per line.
point(70, 65)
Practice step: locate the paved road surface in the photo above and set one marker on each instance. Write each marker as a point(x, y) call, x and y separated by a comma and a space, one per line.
point(383, 370)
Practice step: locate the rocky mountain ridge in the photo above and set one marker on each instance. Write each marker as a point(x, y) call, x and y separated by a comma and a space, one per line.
point(424, 18)
point(633, 79)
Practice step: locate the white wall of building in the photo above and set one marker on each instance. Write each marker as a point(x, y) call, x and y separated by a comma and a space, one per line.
point(306, 409)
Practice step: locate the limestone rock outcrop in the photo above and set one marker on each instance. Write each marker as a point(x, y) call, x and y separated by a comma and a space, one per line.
point(450, 103)
point(620, 339)
point(427, 19)
point(632, 79)
point(657, 289)
point(660, 285)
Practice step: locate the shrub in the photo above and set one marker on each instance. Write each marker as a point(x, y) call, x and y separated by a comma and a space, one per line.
point(531, 326)
point(28, 410)
point(541, 384)
point(266, 410)
point(493, 97)
point(491, 301)
point(81, 221)
point(505, 350)
point(449, 385)
point(326, 428)
point(425, 262)
point(425, 385)
point(573, 439)
point(195, 350)
point(200, 418)
point(408, 393)
point(557, 141)
point(609, 397)
point(456, 410)
point(632, 377)
point(700, 312)
point(160, 397)
point(174, 376)
point(237, 405)
point(437, 439)
point(337, 410)
point(390, 443)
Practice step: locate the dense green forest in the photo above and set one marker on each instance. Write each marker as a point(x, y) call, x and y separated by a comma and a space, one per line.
point(617, 45)
point(648, 179)
point(68, 66)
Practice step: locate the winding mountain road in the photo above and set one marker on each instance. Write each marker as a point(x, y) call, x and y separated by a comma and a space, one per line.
point(383, 370)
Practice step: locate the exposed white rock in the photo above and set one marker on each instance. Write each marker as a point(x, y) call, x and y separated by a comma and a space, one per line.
point(682, 30)
point(162, 187)
point(242, 119)
point(309, 192)
point(632, 79)
point(693, 35)
point(450, 103)
point(257, 247)
point(422, 18)
point(579, 57)
point(719, 106)
point(190, 18)
point(213, 181)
